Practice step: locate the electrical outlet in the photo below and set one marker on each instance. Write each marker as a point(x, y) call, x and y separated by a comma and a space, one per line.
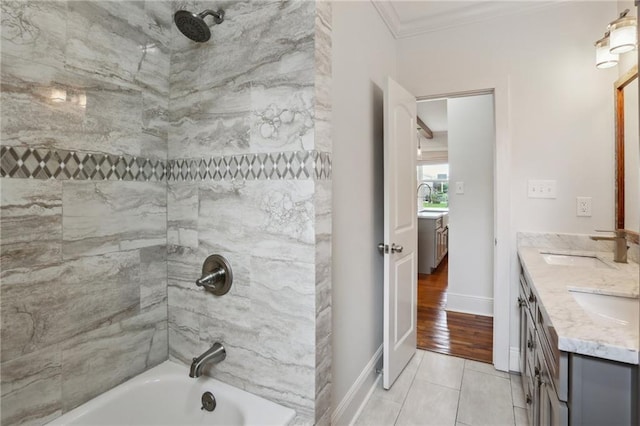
point(541, 189)
point(583, 206)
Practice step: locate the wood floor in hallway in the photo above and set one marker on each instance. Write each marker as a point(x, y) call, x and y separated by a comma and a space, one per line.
point(453, 333)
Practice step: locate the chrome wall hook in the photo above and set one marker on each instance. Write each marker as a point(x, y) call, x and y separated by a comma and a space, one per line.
point(216, 275)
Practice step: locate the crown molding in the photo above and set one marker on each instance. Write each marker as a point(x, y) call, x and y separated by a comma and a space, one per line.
point(474, 12)
point(389, 16)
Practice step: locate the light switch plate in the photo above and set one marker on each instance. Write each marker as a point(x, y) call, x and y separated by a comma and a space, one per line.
point(541, 189)
point(459, 187)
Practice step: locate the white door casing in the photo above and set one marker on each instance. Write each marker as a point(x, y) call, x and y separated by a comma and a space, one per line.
point(400, 231)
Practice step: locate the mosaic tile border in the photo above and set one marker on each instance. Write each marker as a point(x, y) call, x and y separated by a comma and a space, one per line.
point(262, 166)
point(42, 163)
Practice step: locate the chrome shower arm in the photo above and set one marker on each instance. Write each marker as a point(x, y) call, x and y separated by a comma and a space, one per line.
point(218, 15)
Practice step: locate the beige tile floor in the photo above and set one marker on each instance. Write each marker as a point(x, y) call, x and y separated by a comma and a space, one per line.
point(436, 389)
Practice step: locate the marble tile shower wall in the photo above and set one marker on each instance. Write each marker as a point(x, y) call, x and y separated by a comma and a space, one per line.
point(83, 290)
point(128, 155)
point(259, 87)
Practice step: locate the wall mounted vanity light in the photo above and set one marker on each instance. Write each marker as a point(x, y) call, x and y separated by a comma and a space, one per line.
point(621, 37)
point(624, 33)
point(604, 57)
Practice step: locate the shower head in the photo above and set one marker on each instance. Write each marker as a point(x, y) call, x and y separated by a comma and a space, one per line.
point(193, 26)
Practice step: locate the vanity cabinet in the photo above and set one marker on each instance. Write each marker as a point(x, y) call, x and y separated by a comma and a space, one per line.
point(442, 243)
point(550, 409)
point(526, 302)
point(433, 242)
point(544, 405)
point(565, 388)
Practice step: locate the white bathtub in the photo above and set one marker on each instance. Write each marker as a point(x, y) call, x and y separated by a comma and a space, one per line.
point(166, 395)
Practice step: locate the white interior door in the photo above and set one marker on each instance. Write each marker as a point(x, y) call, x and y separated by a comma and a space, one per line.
point(400, 231)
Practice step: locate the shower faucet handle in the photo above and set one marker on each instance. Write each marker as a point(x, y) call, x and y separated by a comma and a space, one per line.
point(211, 279)
point(216, 275)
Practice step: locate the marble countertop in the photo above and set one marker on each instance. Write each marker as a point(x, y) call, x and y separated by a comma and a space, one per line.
point(577, 332)
point(431, 215)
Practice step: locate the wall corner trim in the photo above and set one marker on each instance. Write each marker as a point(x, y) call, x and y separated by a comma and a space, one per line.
point(359, 393)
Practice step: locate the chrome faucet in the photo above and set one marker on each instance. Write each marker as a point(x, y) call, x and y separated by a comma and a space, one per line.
point(430, 191)
point(620, 244)
point(215, 354)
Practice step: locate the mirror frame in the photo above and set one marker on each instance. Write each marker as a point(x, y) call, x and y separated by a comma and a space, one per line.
point(619, 86)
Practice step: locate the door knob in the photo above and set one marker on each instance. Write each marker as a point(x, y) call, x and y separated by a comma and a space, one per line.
point(396, 249)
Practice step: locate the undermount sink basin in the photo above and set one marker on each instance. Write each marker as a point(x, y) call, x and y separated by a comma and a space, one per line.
point(609, 310)
point(572, 260)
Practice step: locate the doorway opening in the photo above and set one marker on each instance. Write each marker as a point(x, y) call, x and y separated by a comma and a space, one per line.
point(455, 202)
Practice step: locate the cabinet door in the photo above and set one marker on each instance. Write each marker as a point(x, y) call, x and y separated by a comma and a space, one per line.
point(531, 395)
point(438, 249)
point(531, 342)
point(551, 411)
point(523, 332)
point(446, 240)
point(544, 406)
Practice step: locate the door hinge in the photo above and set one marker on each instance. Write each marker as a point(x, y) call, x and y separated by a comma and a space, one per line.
point(383, 248)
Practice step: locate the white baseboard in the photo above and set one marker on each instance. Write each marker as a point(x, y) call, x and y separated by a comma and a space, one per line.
point(469, 304)
point(373, 388)
point(514, 359)
point(359, 393)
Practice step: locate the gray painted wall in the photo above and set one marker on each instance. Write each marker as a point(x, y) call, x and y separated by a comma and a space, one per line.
point(363, 55)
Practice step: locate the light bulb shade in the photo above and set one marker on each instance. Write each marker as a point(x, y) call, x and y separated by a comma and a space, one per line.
point(624, 34)
point(604, 58)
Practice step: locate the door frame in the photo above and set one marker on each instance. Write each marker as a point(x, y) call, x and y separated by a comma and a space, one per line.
point(503, 356)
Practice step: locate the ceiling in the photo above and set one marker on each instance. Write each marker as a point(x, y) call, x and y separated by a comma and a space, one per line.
point(434, 114)
point(410, 18)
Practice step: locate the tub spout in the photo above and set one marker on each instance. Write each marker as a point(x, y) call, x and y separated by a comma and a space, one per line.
point(215, 354)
